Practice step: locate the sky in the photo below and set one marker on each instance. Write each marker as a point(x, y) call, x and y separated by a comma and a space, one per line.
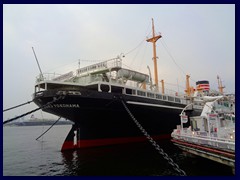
point(198, 40)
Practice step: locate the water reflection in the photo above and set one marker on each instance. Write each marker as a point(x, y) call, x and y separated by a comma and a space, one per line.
point(139, 159)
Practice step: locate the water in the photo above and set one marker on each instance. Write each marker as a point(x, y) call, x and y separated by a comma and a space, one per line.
point(24, 156)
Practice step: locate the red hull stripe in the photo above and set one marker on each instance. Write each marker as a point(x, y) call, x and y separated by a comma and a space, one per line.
point(205, 148)
point(110, 141)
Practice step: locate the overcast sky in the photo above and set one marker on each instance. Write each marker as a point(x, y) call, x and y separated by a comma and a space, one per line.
point(197, 39)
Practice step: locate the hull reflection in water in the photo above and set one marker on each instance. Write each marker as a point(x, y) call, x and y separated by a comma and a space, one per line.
point(24, 156)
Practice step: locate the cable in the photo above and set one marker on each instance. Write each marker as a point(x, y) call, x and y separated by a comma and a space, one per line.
point(54, 100)
point(135, 47)
point(165, 46)
point(10, 120)
point(48, 128)
point(140, 42)
point(17, 106)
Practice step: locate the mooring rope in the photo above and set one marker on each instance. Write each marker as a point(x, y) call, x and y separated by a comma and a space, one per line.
point(49, 103)
point(48, 128)
point(17, 106)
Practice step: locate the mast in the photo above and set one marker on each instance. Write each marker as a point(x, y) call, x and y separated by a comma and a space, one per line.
point(220, 86)
point(153, 40)
point(188, 89)
point(41, 74)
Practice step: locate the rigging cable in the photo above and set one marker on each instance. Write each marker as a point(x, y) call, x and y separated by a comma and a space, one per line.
point(166, 48)
point(143, 56)
point(17, 106)
point(135, 47)
point(135, 55)
point(140, 42)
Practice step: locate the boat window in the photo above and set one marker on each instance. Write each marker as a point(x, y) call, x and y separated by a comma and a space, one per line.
point(128, 91)
point(158, 96)
point(177, 100)
point(170, 98)
point(150, 95)
point(197, 104)
point(134, 91)
point(141, 93)
point(164, 98)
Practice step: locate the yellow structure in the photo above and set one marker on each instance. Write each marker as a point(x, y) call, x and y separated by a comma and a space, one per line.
point(220, 86)
point(153, 40)
point(162, 81)
point(188, 89)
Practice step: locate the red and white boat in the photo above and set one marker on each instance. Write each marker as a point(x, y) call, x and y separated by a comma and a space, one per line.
point(212, 134)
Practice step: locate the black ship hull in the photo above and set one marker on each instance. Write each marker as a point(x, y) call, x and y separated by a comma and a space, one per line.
point(101, 119)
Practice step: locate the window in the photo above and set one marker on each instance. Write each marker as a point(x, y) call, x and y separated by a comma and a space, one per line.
point(133, 91)
point(170, 98)
point(158, 96)
point(164, 98)
point(177, 100)
point(141, 93)
point(128, 91)
point(151, 95)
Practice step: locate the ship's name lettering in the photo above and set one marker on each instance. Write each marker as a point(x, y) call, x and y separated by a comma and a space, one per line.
point(101, 65)
point(63, 106)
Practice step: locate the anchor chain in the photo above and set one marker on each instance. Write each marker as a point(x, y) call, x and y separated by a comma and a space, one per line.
point(62, 96)
point(157, 147)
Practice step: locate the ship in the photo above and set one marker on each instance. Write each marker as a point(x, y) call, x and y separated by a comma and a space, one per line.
point(95, 98)
point(210, 135)
point(33, 121)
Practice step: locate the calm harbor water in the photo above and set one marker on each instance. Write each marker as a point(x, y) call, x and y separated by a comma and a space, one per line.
point(24, 156)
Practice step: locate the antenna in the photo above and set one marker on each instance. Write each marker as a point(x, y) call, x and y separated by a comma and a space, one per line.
point(38, 63)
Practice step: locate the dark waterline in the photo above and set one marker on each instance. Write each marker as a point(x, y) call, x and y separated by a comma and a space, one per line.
point(24, 156)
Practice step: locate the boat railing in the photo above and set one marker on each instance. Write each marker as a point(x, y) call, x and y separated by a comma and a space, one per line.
point(107, 66)
point(47, 76)
point(198, 137)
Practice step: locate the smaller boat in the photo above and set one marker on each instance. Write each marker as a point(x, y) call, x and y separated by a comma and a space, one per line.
point(210, 135)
